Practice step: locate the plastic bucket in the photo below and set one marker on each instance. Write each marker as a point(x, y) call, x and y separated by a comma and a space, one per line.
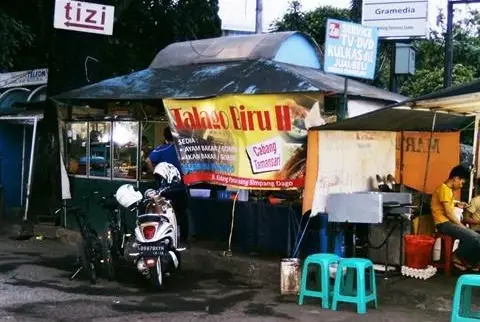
point(290, 271)
point(418, 251)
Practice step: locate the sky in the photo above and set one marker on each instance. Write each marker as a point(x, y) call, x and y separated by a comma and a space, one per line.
point(240, 14)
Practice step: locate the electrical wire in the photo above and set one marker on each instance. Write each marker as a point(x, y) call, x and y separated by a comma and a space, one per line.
point(386, 238)
point(229, 250)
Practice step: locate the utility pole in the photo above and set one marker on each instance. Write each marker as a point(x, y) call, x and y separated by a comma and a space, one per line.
point(448, 68)
point(258, 16)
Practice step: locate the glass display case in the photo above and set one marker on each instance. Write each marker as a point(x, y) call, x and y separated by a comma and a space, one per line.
point(112, 150)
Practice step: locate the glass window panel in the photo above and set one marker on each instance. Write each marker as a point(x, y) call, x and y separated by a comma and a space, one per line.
point(125, 144)
point(76, 148)
point(148, 144)
point(100, 134)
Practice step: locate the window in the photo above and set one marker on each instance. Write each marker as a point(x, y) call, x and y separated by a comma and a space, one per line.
point(100, 135)
point(77, 138)
point(90, 151)
point(125, 145)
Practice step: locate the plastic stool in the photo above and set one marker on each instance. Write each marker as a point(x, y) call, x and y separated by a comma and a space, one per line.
point(324, 260)
point(360, 265)
point(462, 300)
point(447, 247)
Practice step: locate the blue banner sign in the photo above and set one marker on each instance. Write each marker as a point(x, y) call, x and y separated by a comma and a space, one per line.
point(350, 49)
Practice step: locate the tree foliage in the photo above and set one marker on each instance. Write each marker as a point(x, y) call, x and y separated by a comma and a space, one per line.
point(15, 37)
point(142, 28)
point(312, 23)
point(429, 52)
point(430, 56)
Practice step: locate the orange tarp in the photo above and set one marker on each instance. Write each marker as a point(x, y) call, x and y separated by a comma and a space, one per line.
point(444, 155)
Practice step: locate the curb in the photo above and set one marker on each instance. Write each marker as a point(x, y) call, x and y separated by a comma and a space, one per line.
point(256, 271)
point(261, 272)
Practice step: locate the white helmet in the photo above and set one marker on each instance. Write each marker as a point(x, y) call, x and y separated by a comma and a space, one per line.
point(167, 172)
point(126, 195)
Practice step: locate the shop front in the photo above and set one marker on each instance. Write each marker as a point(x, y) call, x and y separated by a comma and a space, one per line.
point(18, 132)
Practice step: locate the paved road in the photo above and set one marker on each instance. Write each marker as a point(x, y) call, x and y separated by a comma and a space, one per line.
point(34, 287)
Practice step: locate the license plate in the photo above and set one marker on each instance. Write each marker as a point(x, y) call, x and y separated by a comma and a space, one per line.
point(151, 250)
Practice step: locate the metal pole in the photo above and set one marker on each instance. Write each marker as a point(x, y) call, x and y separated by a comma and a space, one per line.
point(258, 17)
point(344, 112)
point(22, 184)
point(393, 76)
point(448, 68)
point(30, 169)
point(425, 178)
point(474, 159)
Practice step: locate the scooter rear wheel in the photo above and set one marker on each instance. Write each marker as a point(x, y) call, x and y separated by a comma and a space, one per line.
point(156, 276)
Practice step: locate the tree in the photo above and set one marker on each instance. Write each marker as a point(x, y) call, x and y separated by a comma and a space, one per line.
point(356, 10)
point(312, 23)
point(430, 56)
point(15, 37)
point(142, 28)
point(428, 80)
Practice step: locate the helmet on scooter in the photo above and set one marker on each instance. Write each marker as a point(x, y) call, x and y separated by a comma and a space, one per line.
point(126, 195)
point(167, 174)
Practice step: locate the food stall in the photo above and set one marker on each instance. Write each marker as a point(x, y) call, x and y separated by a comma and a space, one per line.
point(397, 141)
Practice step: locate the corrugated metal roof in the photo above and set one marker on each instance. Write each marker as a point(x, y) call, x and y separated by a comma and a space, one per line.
point(223, 49)
point(463, 99)
point(207, 80)
point(399, 119)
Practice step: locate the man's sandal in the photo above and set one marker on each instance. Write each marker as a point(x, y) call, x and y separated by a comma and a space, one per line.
point(459, 265)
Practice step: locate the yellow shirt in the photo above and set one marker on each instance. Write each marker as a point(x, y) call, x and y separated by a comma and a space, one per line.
point(441, 195)
point(473, 212)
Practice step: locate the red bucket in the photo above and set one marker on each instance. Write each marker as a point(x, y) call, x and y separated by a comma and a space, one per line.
point(418, 251)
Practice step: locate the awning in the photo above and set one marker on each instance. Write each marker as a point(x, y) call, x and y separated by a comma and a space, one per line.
point(400, 119)
point(207, 80)
point(23, 113)
point(463, 99)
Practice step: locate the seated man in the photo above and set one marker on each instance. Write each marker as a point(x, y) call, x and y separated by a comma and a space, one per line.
point(446, 222)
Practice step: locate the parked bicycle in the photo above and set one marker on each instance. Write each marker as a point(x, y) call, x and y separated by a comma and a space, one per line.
point(92, 249)
point(115, 235)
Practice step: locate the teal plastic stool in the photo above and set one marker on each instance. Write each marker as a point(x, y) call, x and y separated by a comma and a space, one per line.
point(324, 260)
point(346, 293)
point(462, 300)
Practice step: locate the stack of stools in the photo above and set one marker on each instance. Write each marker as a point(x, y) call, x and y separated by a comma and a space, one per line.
point(462, 300)
point(343, 288)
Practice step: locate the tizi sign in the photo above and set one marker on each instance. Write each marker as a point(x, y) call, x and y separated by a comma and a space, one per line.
point(84, 17)
point(396, 18)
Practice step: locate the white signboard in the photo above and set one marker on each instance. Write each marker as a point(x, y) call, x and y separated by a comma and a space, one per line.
point(24, 78)
point(348, 162)
point(84, 17)
point(396, 18)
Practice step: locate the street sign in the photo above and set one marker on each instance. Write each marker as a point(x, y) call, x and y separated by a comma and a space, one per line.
point(84, 17)
point(396, 18)
point(350, 49)
point(24, 78)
